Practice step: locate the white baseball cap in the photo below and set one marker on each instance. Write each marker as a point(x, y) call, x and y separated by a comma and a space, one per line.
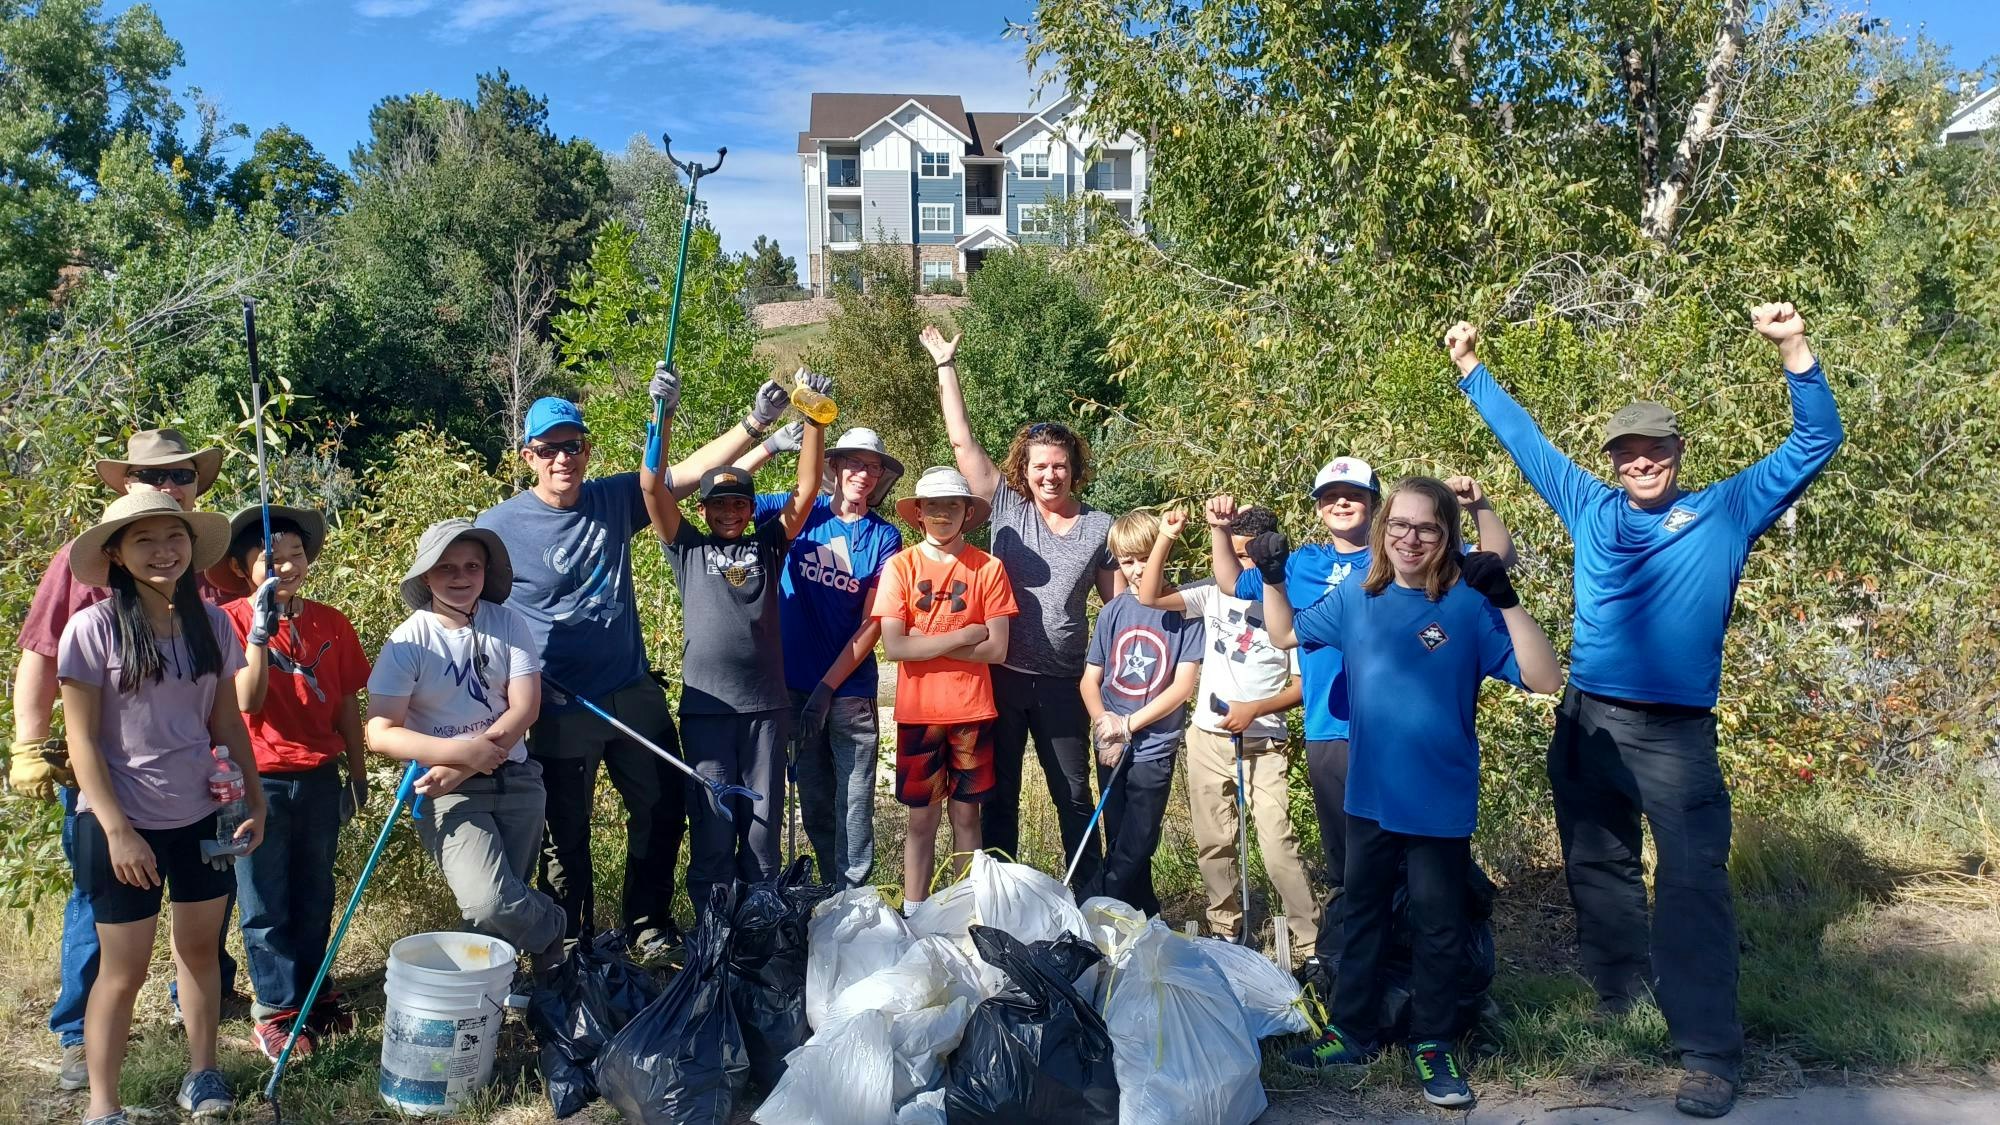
point(1346, 470)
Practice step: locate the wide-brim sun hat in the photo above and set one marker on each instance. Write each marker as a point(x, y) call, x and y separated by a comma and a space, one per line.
point(431, 547)
point(312, 529)
point(944, 484)
point(92, 567)
point(160, 447)
point(861, 439)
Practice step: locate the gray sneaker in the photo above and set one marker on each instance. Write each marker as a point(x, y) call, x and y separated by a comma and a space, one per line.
point(74, 1075)
point(115, 1117)
point(205, 1094)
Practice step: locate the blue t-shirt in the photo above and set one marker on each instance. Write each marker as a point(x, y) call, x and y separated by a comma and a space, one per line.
point(1140, 649)
point(573, 583)
point(826, 588)
point(1312, 572)
point(1654, 589)
point(1413, 672)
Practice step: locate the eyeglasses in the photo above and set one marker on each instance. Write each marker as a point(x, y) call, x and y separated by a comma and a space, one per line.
point(1426, 533)
point(547, 452)
point(160, 477)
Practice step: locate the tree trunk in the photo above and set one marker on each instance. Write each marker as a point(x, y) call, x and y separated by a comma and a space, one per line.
point(1660, 217)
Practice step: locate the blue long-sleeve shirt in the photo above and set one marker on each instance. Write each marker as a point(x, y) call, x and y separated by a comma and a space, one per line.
point(1654, 588)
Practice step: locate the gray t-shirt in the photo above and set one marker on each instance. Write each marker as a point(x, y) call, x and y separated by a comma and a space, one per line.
point(456, 679)
point(731, 659)
point(1052, 575)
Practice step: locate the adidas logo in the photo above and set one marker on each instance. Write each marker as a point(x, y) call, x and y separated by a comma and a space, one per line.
point(828, 566)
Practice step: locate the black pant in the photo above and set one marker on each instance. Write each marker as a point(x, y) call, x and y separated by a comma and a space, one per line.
point(1326, 770)
point(1134, 812)
point(1438, 867)
point(1612, 762)
point(570, 746)
point(1051, 709)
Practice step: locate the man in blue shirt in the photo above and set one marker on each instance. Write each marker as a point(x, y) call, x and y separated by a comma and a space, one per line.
point(1656, 573)
point(570, 540)
point(824, 596)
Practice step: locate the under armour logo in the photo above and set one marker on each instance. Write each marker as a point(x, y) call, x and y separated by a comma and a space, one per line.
point(928, 596)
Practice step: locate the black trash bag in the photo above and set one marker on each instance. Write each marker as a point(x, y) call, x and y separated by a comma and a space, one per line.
point(1036, 1052)
point(767, 965)
point(1070, 955)
point(591, 998)
point(682, 1061)
point(1480, 966)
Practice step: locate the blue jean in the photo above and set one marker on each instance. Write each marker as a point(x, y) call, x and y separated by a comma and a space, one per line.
point(836, 788)
point(286, 887)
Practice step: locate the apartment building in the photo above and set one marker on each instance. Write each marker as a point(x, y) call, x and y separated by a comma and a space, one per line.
point(919, 171)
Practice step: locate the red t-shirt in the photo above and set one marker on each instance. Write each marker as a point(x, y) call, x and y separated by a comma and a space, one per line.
point(60, 597)
point(313, 671)
point(932, 598)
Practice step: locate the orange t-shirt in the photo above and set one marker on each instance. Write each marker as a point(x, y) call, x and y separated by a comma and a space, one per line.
point(932, 598)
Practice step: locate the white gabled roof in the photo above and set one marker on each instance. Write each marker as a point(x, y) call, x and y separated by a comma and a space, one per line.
point(1980, 115)
point(1041, 118)
point(978, 239)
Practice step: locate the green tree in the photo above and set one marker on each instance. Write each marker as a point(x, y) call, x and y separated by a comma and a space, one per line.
point(772, 274)
point(883, 378)
point(285, 170)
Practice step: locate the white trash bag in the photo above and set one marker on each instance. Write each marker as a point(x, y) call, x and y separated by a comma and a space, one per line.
point(926, 1108)
point(1112, 925)
point(852, 935)
point(1269, 995)
point(927, 1002)
point(843, 1079)
point(1181, 1044)
point(1007, 896)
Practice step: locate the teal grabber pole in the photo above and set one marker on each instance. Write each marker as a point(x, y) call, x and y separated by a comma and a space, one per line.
point(695, 172)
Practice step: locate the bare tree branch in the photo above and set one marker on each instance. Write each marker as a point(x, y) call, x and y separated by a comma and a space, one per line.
point(1661, 214)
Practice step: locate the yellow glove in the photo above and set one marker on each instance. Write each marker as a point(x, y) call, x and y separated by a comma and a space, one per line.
point(38, 767)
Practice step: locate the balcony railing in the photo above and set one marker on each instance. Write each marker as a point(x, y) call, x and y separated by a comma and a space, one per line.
point(843, 172)
point(982, 204)
point(839, 230)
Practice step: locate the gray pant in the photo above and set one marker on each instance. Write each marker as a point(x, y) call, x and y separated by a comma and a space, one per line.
point(836, 788)
point(485, 836)
point(747, 750)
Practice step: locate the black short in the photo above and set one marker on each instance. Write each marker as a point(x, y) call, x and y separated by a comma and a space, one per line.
point(177, 854)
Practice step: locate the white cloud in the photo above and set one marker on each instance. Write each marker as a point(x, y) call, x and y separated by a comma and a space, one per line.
point(390, 9)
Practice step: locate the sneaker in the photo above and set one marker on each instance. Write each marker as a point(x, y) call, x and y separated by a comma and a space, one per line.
point(330, 1015)
point(115, 1117)
point(270, 1035)
point(205, 1095)
point(1331, 1049)
point(1705, 1095)
point(1438, 1071)
point(74, 1075)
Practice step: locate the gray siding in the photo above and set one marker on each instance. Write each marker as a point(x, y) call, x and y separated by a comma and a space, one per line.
point(940, 190)
point(815, 210)
point(886, 207)
point(1021, 191)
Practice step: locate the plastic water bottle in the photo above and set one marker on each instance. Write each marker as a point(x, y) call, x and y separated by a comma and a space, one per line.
point(225, 787)
point(813, 404)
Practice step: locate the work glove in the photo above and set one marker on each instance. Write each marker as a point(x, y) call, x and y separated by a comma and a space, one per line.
point(769, 405)
point(1111, 733)
point(353, 796)
point(813, 716)
point(38, 767)
point(666, 386)
point(1484, 572)
point(1270, 551)
point(263, 613)
point(813, 380)
point(787, 440)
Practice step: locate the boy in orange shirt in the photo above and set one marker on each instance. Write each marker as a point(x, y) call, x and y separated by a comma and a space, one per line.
point(944, 606)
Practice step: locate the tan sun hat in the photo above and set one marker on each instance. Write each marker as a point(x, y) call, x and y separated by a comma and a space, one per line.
point(92, 567)
point(312, 530)
point(944, 484)
point(431, 547)
point(161, 447)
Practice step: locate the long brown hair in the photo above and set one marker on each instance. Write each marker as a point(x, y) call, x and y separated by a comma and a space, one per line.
point(1441, 573)
point(138, 647)
point(1014, 467)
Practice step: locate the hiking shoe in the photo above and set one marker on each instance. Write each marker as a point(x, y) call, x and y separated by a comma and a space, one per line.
point(1437, 1069)
point(205, 1095)
point(270, 1035)
point(330, 1016)
point(1331, 1049)
point(74, 1075)
point(1705, 1095)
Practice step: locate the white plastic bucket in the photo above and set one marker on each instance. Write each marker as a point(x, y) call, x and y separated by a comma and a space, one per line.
point(447, 994)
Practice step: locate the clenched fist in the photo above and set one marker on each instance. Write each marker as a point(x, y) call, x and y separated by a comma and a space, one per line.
point(1462, 341)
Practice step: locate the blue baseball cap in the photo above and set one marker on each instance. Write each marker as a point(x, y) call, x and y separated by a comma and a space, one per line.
point(548, 413)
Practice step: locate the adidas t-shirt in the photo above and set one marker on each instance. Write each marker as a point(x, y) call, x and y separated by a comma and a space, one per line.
point(456, 679)
point(826, 588)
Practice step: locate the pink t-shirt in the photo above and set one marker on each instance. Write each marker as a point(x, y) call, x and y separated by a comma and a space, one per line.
point(155, 738)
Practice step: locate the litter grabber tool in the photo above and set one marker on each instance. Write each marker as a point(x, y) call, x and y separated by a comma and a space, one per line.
point(695, 171)
point(257, 417)
point(1090, 830)
point(1216, 705)
point(791, 788)
point(717, 791)
point(404, 792)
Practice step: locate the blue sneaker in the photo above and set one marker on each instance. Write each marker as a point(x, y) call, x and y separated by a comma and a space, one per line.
point(205, 1094)
point(1333, 1048)
point(1444, 1084)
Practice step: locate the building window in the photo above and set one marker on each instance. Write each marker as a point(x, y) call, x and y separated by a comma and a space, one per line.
point(935, 272)
point(934, 218)
point(843, 171)
point(843, 226)
point(1034, 218)
point(935, 165)
point(1034, 165)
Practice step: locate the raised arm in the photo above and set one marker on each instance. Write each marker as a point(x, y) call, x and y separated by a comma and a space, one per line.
point(1222, 561)
point(786, 440)
point(979, 470)
point(1536, 657)
point(253, 680)
point(812, 459)
point(1761, 493)
point(1557, 479)
point(1152, 589)
point(765, 410)
point(1269, 551)
point(661, 505)
point(1487, 525)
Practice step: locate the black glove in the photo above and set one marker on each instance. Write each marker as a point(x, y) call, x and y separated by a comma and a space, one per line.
point(813, 716)
point(1269, 551)
point(1484, 572)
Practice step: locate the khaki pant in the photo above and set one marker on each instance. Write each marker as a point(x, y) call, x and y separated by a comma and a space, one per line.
point(1212, 800)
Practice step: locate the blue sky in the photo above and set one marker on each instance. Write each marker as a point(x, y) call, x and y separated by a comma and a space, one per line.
point(735, 73)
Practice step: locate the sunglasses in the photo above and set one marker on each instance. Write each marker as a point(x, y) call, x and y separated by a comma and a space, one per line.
point(574, 447)
point(160, 477)
point(1049, 429)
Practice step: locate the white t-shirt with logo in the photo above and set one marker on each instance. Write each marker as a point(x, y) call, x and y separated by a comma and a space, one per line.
point(456, 679)
point(1239, 663)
